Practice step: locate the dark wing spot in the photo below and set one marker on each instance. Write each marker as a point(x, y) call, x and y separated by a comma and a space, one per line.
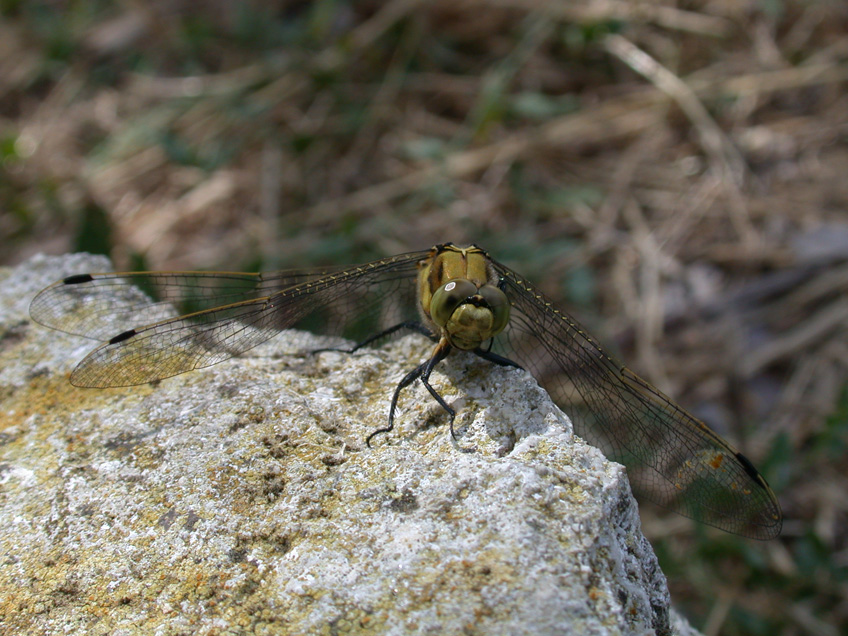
point(77, 279)
point(123, 336)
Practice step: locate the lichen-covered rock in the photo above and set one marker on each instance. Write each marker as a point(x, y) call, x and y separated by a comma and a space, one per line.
point(242, 499)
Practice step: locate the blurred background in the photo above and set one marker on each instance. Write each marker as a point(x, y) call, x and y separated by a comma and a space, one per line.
point(674, 174)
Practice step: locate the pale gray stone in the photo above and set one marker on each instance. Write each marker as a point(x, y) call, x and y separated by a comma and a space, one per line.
point(242, 499)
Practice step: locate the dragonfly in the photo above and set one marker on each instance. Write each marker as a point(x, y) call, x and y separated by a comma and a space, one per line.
point(460, 298)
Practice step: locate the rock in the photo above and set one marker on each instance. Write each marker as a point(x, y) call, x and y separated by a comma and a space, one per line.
point(242, 499)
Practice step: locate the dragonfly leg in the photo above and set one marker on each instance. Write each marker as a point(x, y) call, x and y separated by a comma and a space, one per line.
point(408, 379)
point(422, 371)
point(494, 357)
point(441, 352)
point(410, 324)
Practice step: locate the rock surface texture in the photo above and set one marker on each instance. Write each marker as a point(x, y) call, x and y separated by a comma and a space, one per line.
point(242, 499)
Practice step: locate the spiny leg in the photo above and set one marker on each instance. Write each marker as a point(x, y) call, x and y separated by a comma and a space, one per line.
point(409, 324)
point(486, 354)
point(440, 353)
point(408, 379)
point(422, 371)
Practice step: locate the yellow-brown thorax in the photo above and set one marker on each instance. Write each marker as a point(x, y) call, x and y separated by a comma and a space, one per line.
point(459, 297)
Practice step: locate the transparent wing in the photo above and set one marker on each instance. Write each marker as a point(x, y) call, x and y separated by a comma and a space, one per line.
point(99, 306)
point(352, 303)
point(671, 457)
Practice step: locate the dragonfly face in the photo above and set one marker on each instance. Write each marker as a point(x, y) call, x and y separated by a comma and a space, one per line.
point(457, 296)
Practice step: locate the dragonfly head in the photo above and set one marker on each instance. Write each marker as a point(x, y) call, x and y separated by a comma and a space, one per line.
point(468, 314)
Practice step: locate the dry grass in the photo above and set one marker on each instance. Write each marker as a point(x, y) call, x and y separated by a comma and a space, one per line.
point(676, 174)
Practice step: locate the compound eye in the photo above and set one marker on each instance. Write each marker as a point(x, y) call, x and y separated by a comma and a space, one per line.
point(448, 297)
point(499, 304)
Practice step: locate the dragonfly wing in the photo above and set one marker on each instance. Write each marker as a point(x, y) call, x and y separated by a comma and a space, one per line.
point(176, 345)
point(359, 298)
point(672, 458)
point(99, 305)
